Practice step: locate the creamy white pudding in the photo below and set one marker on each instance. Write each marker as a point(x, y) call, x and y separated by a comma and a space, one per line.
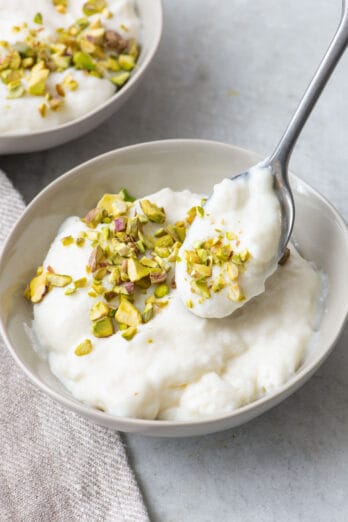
point(232, 246)
point(24, 26)
point(173, 364)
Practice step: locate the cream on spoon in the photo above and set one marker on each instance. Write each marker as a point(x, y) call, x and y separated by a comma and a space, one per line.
point(235, 242)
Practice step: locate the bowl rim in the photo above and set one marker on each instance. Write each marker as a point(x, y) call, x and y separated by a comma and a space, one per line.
point(101, 417)
point(138, 72)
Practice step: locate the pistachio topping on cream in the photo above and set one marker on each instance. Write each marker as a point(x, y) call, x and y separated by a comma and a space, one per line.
point(231, 247)
point(128, 268)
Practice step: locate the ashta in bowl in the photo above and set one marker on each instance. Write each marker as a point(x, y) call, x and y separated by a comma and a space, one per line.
point(193, 165)
point(66, 66)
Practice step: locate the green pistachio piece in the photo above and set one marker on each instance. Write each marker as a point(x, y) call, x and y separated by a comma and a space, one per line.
point(136, 270)
point(162, 252)
point(164, 241)
point(38, 288)
point(58, 280)
point(120, 78)
point(126, 61)
point(113, 204)
point(94, 217)
point(37, 81)
point(237, 259)
point(197, 271)
point(232, 271)
point(80, 283)
point(115, 276)
point(129, 333)
point(98, 311)
point(67, 240)
point(84, 348)
point(126, 196)
point(93, 7)
point(161, 290)
point(103, 327)
point(235, 293)
point(83, 61)
point(38, 19)
point(191, 214)
point(147, 313)
point(200, 288)
point(148, 262)
point(180, 230)
point(152, 211)
point(15, 90)
point(96, 257)
point(219, 284)
point(128, 314)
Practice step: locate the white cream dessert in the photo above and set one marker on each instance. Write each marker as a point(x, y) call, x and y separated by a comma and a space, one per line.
point(60, 59)
point(231, 249)
point(118, 336)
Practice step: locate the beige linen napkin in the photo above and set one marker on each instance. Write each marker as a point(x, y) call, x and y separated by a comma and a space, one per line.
point(54, 465)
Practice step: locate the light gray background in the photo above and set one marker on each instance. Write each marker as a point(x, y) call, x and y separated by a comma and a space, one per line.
point(233, 70)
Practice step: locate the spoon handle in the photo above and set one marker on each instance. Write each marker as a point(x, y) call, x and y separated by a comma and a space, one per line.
point(336, 49)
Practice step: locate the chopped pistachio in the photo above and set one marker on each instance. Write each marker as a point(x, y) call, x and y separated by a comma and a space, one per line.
point(152, 211)
point(120, 78)
point(231, 236)
point(129, 333)
point(38, 288)
point(103, 327)
point(199, 271)
point(84, 61)
point(84, 348)
point(200, 211)
point(37, 80)
point(95, 258)
point(70, 290)
point(180, 230)
point(128, 314)
point(189, 303)
point(67, 240)
point(60, 89)
point(162, 290)
point(237, 259)
point(232, 271)
point(94, 217)
point(113, 204)
point(200, 288)
point(80, 283)
point(126, 61)
point(136, 270)
point(126, 196)
point(38, 19)
point(15, 90)
point(93, 7)
point(235, 293)
point(147, 313)
point(58, 280)
point(162, 252)
point(98, 311)
point(42, 108)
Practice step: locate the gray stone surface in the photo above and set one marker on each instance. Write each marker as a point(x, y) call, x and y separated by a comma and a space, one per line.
point(233, 70)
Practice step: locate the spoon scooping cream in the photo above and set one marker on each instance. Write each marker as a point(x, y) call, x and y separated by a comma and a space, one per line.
point(238, 237)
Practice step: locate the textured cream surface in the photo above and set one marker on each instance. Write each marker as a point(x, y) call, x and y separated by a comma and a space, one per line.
point(194, 367)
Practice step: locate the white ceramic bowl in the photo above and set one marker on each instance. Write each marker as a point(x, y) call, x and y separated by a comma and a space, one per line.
point(320, 232)
point(150, 13)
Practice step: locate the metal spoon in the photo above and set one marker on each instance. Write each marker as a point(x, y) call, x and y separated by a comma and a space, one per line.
point(279, 160)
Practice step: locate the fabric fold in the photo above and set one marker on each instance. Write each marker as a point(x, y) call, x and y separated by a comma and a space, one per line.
point(55, 465)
